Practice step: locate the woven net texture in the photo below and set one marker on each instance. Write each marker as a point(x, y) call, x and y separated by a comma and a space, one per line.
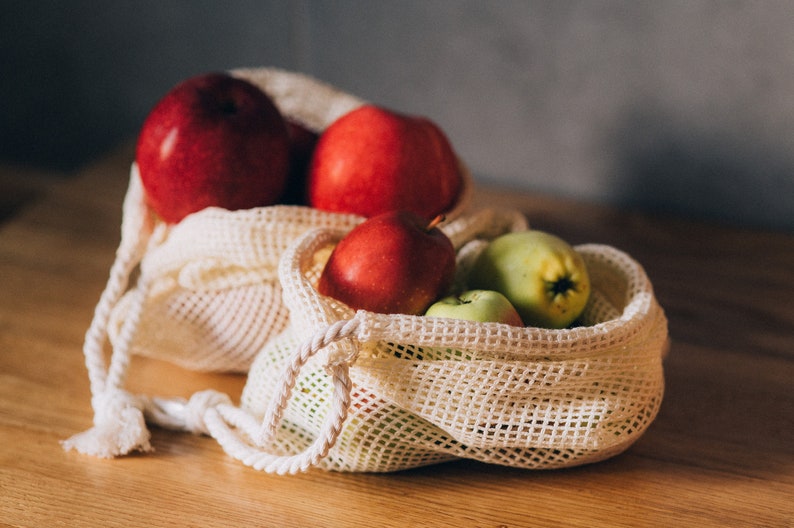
point(358, 391)
point(209, 293)
point(204, 293)
point(426, 390)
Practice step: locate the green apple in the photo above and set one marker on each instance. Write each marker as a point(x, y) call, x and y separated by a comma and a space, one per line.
point(476, 305)
point(540, 274)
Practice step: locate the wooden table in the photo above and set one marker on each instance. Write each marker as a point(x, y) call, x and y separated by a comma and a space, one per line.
point(720, 453)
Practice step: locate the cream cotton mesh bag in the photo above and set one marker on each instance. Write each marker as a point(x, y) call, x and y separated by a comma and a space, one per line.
point(360, 391)
point(207, 295)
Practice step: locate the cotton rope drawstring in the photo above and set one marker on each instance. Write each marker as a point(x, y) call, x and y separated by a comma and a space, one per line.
point(211, 412)
point(119, 426)
point(227, 424)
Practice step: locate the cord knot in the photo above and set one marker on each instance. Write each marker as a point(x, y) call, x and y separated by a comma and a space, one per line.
point(119, 427)
point(197, 407)
point(185, 415)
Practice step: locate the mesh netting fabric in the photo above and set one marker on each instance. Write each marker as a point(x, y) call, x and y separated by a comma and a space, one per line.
point(210, 293)
point(419, 390)
point(204, 293)
point(359, 391)
point(212, 296)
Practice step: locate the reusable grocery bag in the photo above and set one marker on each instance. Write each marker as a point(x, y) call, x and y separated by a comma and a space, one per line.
point(348, 390)
point(204, 293)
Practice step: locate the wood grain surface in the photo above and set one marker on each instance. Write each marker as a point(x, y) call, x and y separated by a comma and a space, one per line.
point(720, 453)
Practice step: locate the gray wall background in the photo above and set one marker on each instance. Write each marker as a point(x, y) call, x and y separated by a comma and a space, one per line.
point(683, 107)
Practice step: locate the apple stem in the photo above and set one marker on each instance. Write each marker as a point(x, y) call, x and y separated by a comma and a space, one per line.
point(434, 223)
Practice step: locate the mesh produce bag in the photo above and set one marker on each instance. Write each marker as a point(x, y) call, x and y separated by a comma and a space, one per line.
point(207, 295)
point(360, 391)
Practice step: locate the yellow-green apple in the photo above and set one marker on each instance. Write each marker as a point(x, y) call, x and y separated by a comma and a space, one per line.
point(212, 140)
point(373, 160)
point(476, 305)
point(395, 262)
point(541, 274)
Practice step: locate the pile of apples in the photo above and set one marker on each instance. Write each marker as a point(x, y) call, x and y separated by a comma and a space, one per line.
point(397, 263)
point(219, 141)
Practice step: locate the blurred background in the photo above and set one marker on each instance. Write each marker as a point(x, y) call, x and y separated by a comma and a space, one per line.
point(681, 107)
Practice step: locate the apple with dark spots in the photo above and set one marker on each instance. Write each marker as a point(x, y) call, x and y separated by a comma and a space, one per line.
point(541, 275)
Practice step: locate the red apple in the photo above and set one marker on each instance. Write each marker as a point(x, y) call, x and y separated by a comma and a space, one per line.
point(391, 263)
point(213, 140)
point(302, 141)
point(372, 160)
